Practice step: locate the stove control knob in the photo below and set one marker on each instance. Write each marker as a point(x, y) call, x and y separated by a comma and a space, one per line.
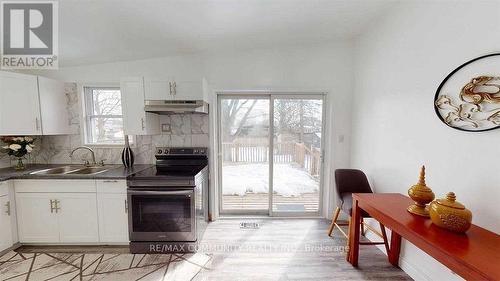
point(196, 151)
point(159, 151)
point(167, 151)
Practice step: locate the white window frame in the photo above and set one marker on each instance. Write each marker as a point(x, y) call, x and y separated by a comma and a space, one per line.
point(87, 114)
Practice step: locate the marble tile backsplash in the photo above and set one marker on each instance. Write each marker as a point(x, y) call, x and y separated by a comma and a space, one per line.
point(179, 130)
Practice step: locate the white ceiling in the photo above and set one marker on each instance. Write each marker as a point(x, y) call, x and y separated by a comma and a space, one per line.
point(98, 31)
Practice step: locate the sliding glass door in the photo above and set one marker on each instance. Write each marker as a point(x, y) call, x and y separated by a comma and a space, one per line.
point(297, 157)
point(257, 180)
point(244, 147)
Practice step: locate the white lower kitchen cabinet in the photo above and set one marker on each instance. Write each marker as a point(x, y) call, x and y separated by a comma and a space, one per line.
point(8, 225)
point(113, 211)
point(57, 217)
point(6, 239)
point(113, 218)
point(37, 220)
point(77, 217)
point(72, 211)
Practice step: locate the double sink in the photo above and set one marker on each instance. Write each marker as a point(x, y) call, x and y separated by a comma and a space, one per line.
point(72, 170)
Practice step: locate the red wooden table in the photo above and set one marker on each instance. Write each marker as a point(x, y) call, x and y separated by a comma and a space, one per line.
point(474, 255)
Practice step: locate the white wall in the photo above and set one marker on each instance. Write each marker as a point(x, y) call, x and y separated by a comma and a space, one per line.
point(398, 65)
point(328, 67)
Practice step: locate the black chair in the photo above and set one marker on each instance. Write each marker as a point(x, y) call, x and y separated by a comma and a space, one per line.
point(349, 181)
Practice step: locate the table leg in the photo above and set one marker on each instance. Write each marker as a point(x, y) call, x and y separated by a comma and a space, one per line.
point(395, 248)
point(352, 256)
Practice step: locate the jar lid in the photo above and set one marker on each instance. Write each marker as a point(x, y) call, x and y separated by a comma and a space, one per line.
point(449, 201)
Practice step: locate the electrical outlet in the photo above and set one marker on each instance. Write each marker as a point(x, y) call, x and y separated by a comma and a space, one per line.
point(166, 128)
point(341, 138)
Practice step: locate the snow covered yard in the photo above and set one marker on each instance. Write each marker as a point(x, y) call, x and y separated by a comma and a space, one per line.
point(289, 179)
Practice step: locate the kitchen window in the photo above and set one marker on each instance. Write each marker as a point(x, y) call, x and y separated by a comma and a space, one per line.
point(103, 116)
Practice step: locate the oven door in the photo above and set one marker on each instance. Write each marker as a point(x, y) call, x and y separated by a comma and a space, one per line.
point(162, 215)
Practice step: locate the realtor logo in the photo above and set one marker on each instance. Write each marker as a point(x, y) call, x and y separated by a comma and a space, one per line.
point(29, 34)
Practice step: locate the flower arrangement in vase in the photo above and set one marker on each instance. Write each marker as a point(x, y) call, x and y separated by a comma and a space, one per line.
point(18, 147)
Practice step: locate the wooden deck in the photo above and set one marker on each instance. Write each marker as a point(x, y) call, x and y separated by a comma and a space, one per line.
point(307, 202)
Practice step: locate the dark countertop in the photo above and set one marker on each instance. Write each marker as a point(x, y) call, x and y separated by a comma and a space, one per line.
point(114, 172)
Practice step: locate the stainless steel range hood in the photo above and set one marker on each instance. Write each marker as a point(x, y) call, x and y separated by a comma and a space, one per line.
point(176, 106)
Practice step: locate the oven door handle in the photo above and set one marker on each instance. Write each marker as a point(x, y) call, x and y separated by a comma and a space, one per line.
point(170, 192)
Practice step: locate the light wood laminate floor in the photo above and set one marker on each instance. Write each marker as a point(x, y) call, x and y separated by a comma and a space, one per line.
point(280, 249)
point(287, 249)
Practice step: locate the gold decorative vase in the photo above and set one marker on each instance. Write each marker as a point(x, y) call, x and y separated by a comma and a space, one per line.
point(421, 195)
point(450, 214)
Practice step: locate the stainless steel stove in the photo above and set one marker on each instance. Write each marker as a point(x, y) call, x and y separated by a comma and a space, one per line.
point(168, 203)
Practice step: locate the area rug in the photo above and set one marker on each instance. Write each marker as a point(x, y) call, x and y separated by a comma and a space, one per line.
point(16, 266)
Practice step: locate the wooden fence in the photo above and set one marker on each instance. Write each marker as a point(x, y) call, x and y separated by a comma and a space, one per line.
point(284, 152)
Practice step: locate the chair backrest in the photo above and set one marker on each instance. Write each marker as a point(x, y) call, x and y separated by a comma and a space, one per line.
point(351, 181)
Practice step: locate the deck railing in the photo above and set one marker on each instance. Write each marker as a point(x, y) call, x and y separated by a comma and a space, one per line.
point(308, 158)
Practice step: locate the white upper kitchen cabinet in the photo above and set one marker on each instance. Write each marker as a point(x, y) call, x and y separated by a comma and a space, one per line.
point(135, 120)
point(53, 107)
point(158, 88)
point(19, 104)
point(169, 88)
point(191, 90)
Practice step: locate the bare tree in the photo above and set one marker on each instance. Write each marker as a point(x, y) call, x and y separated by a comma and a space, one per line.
point(106, 103)
point(296, 117)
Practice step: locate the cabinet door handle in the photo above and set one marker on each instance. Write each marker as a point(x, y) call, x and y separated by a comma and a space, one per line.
point(51, 206)
point(7, 205)
point(142, 123)
point(126, 206)
point(37, 123)
point(170, 86)
point(109, 181)
point(57, 208)
point(175, 88)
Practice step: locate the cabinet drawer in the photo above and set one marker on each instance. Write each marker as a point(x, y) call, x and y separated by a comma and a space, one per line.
point(111, 186)
point(59, 186)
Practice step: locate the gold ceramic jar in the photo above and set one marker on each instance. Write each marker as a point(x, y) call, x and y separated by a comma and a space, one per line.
point(449, 214)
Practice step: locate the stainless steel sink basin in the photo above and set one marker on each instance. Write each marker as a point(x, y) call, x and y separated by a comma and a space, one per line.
point(72, 170)
point(89, 171)
point(58, 170)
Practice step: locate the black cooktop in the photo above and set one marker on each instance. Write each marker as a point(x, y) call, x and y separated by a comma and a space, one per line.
point(156, 172)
